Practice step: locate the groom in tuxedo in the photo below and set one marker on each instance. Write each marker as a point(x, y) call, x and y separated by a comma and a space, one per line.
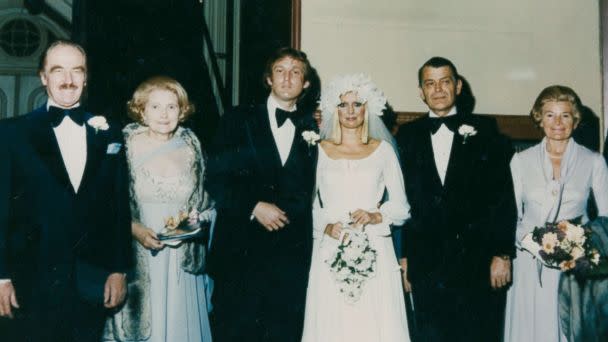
point(261, 175)
point(459, 241)
point(64, 212)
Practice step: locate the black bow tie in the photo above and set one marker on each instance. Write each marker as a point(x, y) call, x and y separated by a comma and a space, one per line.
point(451, 122)
point(57, 115)
point(283, 115)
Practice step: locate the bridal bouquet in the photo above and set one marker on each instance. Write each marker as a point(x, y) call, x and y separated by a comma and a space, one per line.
point(352, 263)
point(182, 226)
point(563, 245)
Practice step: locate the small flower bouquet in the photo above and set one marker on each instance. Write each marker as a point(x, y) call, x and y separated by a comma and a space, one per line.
point(352, 263)
point(466, 131)
point(311, 137)
point(182, 226)
point(565, 246)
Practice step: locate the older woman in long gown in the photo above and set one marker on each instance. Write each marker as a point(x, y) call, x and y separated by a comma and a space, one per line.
point(166, 300)
point(553, 181)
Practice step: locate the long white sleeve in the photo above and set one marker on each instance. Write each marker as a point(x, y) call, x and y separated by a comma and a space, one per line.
point(396, 209)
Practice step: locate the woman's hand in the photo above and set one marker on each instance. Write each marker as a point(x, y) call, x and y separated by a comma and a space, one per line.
point(146, 237)
point(334, 230)
point(360, 218)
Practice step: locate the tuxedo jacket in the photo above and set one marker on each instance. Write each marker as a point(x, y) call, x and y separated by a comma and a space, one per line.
point(456, 227)
point(45, 226)
point(245, 168)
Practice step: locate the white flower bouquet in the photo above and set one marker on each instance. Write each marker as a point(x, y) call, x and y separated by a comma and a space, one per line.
point(98, 123)
point(466, 131)
point(563, 245)
point(352, 263)
point(311, 137)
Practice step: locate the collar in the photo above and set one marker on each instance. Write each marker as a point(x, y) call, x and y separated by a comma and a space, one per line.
point(272, 104)
point(50, 103)
point(450, 113)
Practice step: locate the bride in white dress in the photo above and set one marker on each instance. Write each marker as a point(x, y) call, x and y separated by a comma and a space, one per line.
point(357, 163)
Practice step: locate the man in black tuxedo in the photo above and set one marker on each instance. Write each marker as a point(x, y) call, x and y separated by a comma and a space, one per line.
point(459, 241)
point(261, 175)
point(64, 212)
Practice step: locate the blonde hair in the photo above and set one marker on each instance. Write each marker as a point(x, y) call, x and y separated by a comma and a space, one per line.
point(555, 93)
point(336, 132)
point(137, 104)
point(367, 93)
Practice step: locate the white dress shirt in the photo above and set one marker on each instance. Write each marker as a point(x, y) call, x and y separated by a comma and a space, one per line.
point(442, 145)
point(72, 141)
point(283, 136)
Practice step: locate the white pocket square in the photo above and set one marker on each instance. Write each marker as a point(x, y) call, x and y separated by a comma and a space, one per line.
point(113, 148)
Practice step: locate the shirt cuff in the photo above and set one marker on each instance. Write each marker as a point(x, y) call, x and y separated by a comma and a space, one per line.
point(4, 281)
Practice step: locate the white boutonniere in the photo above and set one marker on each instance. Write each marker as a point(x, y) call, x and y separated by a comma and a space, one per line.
point(311, 137)
point(466, 131)
point(99, 123)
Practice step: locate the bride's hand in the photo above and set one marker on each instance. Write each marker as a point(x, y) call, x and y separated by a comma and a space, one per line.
point(361, 218)
point(334, 230)
point(146, 237)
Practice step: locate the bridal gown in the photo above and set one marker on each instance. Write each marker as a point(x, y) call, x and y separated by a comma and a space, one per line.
point(345, 186)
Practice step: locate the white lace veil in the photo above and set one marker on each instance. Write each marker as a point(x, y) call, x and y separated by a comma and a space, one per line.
point(367, 92)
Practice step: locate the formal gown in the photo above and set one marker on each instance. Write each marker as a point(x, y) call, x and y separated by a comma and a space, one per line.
point(532, 313)
point(345, 186)
point(178, 300)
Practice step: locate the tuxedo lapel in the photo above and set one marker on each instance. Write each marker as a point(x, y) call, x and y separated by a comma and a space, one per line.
point(426, 157)
point(263, 143)
point(459, 162)
point(299, 146)
point(44, 142)
point(94, 154)
point(454, 162)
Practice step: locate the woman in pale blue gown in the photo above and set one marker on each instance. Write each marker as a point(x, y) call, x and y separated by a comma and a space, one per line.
point(166, 300)
point(553, 181)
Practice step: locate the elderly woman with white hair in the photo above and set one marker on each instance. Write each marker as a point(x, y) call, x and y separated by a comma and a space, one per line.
point(354, 289)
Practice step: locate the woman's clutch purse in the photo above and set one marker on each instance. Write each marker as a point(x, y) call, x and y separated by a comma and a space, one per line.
point(181, 227)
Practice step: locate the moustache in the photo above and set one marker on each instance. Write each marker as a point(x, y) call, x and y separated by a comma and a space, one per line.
point(68, 86)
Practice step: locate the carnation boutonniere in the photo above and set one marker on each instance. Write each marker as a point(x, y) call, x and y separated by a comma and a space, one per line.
point(311, 137)
point(99, 123)
point(466, 131)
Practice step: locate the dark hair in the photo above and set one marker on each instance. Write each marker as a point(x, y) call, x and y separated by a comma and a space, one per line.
point(282, 53)
point(437, 62)
point(54, 44)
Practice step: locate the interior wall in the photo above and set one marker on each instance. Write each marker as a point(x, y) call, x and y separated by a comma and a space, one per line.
point(507, 50)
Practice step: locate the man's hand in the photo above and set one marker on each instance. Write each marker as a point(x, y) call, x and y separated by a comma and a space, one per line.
point(407, 286)
point(500, 272)
point(115, 290)
point(8, 299)
point(270, 216)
